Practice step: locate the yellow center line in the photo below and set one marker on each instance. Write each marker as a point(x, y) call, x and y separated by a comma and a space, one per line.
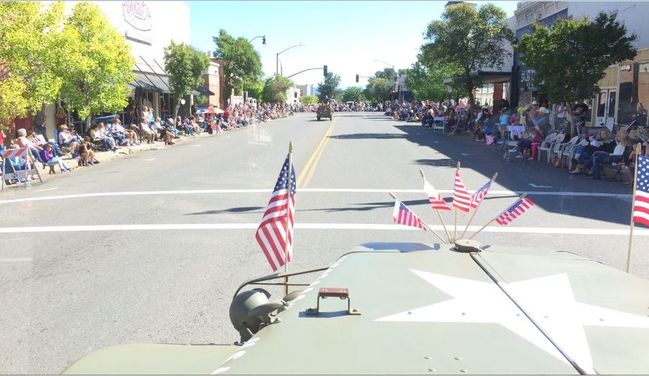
point(305, 175)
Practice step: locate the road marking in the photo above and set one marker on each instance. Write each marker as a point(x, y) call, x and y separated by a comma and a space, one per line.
point(540, 186)
point(621, 231)
point(306, 174)
point(46, 190)
point(17, 259)
point(306, 190)
point(150, 159)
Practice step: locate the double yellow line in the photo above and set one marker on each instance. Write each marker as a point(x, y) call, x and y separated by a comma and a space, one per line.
point(306, 174)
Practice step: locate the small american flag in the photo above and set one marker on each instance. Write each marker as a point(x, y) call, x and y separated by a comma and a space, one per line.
point(275, 232)
point(404, 216)
point(435, 199)
point(461, 197)
point(641, 203)
point(480, 194)
point(516, 209)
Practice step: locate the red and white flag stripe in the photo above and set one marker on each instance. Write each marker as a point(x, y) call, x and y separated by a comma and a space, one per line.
point(404, 216)
point(641, 208)
point(461, 197)
point(436, 200)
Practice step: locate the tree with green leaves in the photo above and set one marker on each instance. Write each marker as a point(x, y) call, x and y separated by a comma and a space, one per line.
point(327, 88)
point(275, 89)
point(185, 66)
point(468, 39)
point(353, 94)
point(30, 52)
point(241, 63)
point(427, 81)
point(388, 73)
point(379, 89)
point(309, 99)
point(97, 65)
point(571, 58)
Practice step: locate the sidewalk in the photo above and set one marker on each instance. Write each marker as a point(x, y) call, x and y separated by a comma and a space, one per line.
point(105, 156)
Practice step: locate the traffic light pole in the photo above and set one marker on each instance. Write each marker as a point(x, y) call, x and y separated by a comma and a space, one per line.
point(302, 71)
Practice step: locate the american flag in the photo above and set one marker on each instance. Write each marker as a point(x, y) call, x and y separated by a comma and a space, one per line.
point(461, 197)
point(404, 216)
point(641, 203)
point(480, 194)
point(517, 208)
point(435, 199)
point(275, 232)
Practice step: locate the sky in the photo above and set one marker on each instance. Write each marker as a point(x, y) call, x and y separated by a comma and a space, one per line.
point(350, 37)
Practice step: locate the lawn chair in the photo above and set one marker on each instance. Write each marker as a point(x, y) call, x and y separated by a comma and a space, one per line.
point(546, 145)
point(439, 123)
point(558, 148)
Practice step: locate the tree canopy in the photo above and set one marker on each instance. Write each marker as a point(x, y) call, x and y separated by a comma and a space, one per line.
point(96, 67)
point(379, 88)
point(241, 62)
point(275, 89)
point(327, 88)
point(427, 81)
point(309, 99)
point(468, 39)
point(185, 66)
point(571, 58)
point(30, 51)
point(353, 94)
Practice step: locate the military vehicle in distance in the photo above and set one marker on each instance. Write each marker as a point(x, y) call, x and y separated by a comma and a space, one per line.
point(414, 308)
point(324, 111)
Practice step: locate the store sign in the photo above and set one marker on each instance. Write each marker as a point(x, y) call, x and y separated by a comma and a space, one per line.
point(137, 14)
point(625, 67)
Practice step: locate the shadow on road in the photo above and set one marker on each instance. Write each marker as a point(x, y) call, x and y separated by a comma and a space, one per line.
point(242, 209)
point(361, 136)
point(522, 175)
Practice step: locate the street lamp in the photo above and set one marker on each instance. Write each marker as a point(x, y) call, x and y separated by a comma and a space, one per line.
point(263, 39)
point(279, 53)
point(384, 62)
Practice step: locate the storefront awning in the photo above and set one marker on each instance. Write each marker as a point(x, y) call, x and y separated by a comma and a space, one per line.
point(491, 77)
point(143, 82)
point(201, 90)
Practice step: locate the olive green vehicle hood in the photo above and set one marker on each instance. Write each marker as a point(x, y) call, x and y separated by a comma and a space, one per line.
point(429, 309)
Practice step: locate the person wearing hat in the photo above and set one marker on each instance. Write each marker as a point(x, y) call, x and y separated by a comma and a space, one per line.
point(541, 119)
point(67, 138)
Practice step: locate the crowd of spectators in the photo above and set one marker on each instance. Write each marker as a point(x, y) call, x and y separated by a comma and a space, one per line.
point(529, 127)
point(112, 135)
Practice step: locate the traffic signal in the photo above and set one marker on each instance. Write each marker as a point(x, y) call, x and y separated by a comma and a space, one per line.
point(356, 78)
point(324, 70)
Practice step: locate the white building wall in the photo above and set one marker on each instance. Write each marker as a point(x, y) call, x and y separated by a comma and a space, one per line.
point(634, 15)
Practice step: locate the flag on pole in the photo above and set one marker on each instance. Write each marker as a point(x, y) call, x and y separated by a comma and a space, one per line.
point(404, 216)
point(480, 194)
point(516, 209)
point(461, 197)
point(641, 203)
point(275, 232)
point(434, 197)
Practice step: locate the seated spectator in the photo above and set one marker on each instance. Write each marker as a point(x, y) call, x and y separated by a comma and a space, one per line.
point(525, 145)
point(51, 160)
point(68, 138)
point(117, 131)
point(194, 125)
point(101, 133)
point(146, 133)
point(25, 142)
point(167, 134)
point(628, 169)
point(599, 158)
point(2, 141)
point(585, 150)
point(503, 122)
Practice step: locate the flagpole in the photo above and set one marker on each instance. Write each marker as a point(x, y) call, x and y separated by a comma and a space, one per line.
point(493, 178)
point(496, 217)
point(422, 221)
point(638, 149)
point(286, 219)
point(455, 207)
point(437, 211)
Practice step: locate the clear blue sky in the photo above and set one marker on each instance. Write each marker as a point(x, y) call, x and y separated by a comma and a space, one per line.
point(347, 36)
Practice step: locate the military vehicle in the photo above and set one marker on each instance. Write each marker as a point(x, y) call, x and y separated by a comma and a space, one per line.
point(324, 111)
point(416, 308)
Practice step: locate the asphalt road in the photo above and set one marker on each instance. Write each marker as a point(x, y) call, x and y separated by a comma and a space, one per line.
point(150, 247)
